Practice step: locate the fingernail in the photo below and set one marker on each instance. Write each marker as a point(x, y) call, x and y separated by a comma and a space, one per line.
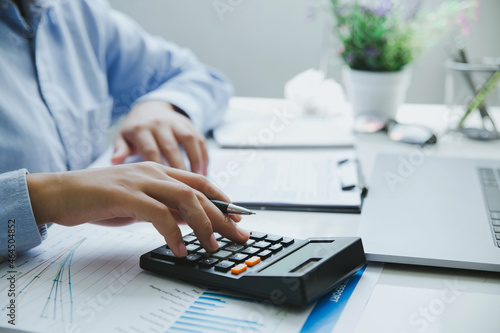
point(213, 242)
point(182, 250)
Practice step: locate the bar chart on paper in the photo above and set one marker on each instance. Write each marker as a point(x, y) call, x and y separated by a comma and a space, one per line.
point(88, 278)
point(214, 311)
point(165, 305)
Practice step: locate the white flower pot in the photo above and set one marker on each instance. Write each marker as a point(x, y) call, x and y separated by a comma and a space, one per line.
point(381, 92)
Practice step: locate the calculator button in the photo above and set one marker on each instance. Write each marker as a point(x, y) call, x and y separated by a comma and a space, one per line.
point(265, 254)
point(250, 250)
point(189, 239)
point(252, 261)
point(496, 229)
point(497, 235)
point(207, 262)
point(257, 235)
point(221, 244)
point(190, 259)
point(224, 266)
point(249, 242)
point(192, 247)
point(217, 236)
point(276, 248)
point(239, 257)
point(273, 238)
point(164, 254)
point(240, 268)
point(226, 240)
point(234, 248)
point(202, 252)
point(496, 223)
point(222, 254)
point(262, 245)
point(287, 241)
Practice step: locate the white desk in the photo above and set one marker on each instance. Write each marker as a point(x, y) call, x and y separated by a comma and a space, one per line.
point(406, 298)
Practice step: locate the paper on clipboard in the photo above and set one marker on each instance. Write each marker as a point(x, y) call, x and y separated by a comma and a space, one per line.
point(310, 180)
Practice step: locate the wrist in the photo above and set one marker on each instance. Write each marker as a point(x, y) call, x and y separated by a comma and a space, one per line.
point(43, 189)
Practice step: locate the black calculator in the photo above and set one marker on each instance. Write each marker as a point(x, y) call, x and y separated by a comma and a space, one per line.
point(279, 269)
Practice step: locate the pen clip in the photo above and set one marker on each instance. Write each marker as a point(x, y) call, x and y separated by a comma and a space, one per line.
point(349, 172)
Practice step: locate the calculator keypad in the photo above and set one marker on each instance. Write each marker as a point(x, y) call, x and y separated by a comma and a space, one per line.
point(231, 258)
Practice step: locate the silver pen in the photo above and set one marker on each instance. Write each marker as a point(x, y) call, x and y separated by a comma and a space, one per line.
point(229, 208)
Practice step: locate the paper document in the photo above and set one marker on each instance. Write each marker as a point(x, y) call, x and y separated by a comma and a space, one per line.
point(283, 126)
point(87, 279)
point(285, 179)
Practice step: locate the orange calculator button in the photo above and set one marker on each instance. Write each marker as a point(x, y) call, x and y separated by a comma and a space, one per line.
point(239, 269)
point(252, 261)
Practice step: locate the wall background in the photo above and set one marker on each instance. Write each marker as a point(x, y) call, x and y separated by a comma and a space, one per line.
point(260, 44)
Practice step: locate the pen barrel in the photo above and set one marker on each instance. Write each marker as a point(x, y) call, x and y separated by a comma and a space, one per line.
point(221, 205)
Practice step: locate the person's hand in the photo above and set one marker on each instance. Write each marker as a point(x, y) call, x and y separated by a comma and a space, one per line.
point(155, 130)
point(145, 191)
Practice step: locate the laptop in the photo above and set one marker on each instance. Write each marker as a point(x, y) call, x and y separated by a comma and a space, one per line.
point(433, 211)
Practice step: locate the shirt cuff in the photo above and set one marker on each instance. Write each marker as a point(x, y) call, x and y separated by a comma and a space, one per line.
point(16, 214)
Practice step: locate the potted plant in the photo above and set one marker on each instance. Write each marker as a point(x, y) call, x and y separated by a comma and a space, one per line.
point(380, 39)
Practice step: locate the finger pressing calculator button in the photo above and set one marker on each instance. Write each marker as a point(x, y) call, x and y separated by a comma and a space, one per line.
point(273, 238)
point(265, 254)
point(250, 250)
point(252, 261)
point(262, 245)
point(239, 257)
point(164, 254)
point(287, 241)
point(257, 235)
point(222, 254)
point(238, 269)
point(224, 266)
point(234, 248)
point(207, 262)
point(276, 248)
point(192, 247)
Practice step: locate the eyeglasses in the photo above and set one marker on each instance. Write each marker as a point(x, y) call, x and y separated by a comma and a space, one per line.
point(407, 133)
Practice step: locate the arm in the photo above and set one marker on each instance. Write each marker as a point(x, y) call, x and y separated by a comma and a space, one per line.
point(143, 71)
point(145, 191)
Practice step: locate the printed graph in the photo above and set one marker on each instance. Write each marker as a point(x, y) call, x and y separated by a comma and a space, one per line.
point(69, 281)
point(209, 313)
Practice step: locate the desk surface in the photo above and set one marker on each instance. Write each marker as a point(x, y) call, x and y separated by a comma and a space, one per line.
point(406, 298)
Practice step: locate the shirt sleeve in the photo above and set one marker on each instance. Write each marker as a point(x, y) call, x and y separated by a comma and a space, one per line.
point(19, 229)
point(141, 67)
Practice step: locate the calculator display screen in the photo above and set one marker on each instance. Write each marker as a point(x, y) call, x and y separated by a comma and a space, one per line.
point(300, 260)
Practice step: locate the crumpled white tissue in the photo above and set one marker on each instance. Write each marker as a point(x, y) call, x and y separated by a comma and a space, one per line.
point(314, 94)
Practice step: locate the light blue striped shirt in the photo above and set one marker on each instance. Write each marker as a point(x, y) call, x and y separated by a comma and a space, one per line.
point(68, 72)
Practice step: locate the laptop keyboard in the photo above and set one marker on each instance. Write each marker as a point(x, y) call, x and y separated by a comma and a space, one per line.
point(489, 181)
